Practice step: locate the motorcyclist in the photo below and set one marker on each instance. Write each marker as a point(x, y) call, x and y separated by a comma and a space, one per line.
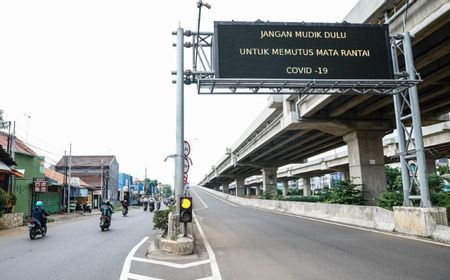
point(125, 205)
point(107, 210)
point(39, 214)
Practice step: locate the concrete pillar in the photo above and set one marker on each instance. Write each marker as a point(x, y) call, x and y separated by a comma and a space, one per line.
point(240, 187)
point(285, 188)
point(306, 186)
point(258, 190)
point(226, 187)
point(431, 163)
point(366, 162)
point(270, 180)
point(247, 190)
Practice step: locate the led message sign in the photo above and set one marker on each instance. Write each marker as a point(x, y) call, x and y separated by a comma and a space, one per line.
point(301, 51)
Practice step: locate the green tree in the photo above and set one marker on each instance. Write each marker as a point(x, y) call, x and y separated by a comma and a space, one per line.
point(443, 169)
point(392, 176)
point(435, 182)
point(166, 191)
point(2, 122)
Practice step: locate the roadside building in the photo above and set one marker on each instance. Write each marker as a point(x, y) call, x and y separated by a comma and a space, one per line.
point(81, 192)
point(101, 173)
point(32, 166)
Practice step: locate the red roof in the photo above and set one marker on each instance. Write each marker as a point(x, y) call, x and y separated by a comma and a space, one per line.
point(21, 147)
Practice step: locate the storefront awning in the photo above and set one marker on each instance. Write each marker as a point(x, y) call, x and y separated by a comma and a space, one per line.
point(4, 169)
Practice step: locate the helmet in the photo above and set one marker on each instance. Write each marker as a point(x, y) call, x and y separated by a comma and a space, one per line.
point(107, 202)
point(39, 203)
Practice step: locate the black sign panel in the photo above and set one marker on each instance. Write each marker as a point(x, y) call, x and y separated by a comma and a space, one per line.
point(301, 51)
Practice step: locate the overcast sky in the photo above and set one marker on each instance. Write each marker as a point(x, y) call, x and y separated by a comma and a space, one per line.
point(97, 74)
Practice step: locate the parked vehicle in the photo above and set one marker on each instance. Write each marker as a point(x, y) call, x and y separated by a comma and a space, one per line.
point(105, 222)
point(87, 207)
point(35, 228)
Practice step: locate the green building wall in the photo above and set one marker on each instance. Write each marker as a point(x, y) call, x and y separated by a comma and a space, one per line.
point(34, 168)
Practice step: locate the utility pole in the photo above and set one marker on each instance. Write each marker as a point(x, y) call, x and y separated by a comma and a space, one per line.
point(64, 182)
point(70, 178)
point(101, 181)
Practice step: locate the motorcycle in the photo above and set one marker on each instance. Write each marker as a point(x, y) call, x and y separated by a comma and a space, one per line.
point(35, 228)
point(124, 211)
point(87, 208)
point(145, 207)
point(158, 205)
point(105, 222)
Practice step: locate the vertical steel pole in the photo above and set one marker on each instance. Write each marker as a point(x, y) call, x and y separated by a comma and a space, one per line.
point(179, 159)
point(70, 178)
point(417, 123)
point(400, 132)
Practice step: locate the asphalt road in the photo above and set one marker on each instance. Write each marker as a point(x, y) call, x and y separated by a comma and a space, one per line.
point(74, 249)
point(254, 244)
point(242, 243)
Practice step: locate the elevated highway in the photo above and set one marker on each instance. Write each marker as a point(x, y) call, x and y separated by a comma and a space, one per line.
point(437, 144)
point(296, 127)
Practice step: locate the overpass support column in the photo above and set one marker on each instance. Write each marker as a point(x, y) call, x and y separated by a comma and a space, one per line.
point(431, 163)
point(285, 188)
point(247, 190)
point(240, 187)
point(226, 188)
point(366, 162)
point(258, 190)
point(306, 186)
point(270, 180)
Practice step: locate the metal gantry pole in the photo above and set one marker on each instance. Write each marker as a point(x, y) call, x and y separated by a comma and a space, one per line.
point(417, 123)
point(179, 159)
point(401, 132)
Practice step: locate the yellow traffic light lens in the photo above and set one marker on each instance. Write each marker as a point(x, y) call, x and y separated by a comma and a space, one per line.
point(186, 203)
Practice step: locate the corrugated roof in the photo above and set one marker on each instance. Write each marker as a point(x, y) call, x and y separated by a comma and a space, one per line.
point(89, 161)
point(21, 147)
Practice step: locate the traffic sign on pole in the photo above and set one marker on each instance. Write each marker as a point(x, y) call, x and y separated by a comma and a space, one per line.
point(187, 148)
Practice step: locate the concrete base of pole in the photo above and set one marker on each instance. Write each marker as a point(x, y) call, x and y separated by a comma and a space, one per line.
point(419, 221)
point(182, 246)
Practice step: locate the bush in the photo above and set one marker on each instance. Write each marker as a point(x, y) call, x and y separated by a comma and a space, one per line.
point(161, 219)
point(295, 192)
point(11, 199)
point(441, 199)
point(435, 182)
point(389, 199)
point(315, 198)
point(345, 192)
point(266, 195)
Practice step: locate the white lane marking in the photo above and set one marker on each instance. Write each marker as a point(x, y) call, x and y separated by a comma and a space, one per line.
point(219, 198)
point(206, 206)
point(141, 277)
point(354, 227)
point(174, 265)
point(212, 257)
point(127, 264)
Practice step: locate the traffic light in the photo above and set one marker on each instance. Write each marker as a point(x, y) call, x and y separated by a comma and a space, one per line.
point(186, 209)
